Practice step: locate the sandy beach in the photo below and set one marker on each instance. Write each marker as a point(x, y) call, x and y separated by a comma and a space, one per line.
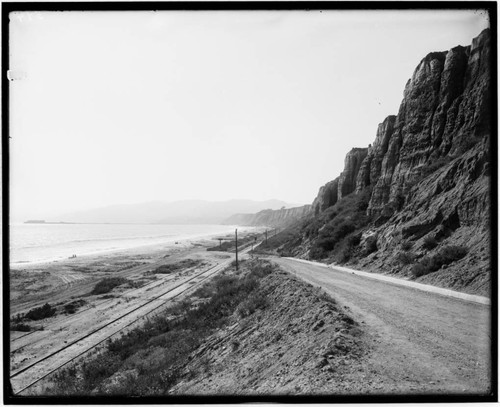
point(55, 340)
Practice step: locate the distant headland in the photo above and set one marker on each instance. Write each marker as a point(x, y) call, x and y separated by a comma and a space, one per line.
point(49, 223)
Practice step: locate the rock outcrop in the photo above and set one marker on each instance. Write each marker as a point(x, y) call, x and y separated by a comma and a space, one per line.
point(427, 171)
point(352, 164)
point(343, 185)
point(445, 111)
point(327, 196)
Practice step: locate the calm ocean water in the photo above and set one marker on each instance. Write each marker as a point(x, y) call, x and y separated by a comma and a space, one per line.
point(33, 243)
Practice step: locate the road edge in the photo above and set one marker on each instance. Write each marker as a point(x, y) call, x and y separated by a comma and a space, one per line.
point(398, 281)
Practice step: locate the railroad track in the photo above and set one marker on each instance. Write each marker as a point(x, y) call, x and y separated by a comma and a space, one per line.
point(146, 287)
point(43, 334)
point(28, 376)
point(84, 283)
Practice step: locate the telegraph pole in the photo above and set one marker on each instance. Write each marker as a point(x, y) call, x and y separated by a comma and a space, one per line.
point(266, 236)
point(236, 234)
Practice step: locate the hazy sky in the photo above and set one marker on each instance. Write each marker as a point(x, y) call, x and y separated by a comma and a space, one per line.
point(125, 107)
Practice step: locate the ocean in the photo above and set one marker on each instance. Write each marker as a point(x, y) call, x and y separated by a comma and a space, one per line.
point(38, 243)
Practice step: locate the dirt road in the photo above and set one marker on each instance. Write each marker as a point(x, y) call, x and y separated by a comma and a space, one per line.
point(421, 342)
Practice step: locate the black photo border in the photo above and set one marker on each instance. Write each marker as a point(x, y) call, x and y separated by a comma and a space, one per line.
point(8, 7)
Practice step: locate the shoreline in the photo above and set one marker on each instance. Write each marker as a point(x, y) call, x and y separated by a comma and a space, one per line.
point(31, 283)
point(150, 280)
point(147, 247)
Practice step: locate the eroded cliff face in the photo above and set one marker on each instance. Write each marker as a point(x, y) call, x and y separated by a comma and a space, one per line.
point(445, 111)
point(353, 162)
point(344, 184)
point(427, 171)
point(270, 217)
point(327, 196)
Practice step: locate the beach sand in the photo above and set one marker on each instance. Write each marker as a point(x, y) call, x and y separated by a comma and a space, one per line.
point(31, 284)
point(63, 282)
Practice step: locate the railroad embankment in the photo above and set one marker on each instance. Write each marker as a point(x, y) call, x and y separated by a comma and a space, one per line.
point(256, 331)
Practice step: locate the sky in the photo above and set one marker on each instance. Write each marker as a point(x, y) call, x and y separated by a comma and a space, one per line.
point(127, 107)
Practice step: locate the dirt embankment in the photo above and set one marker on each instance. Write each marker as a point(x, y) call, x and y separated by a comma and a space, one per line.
point(301, 342)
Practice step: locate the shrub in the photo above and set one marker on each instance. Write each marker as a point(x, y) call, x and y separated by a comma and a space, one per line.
point(96, 370)
point(348, 249)
point(73, 306)
point(354, 240)
point(406, 245)
point(204, 291)
point(106, 285)
point(405, 258)
point(18, 318)
point(250, 305)
point(345, 254)
point(330, 227)
point(21, 327)
point(43, 312)
point(370, 245)
point(259, 268)
point(172, 268)
point(333, 232)
point(421, 268)
point(445, 256)
point(430, 243)
point(316, 253)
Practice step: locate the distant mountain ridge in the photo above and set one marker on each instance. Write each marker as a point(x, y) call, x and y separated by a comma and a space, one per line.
point(177, 212)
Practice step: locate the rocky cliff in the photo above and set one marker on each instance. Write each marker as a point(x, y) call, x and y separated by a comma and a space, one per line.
point(426, 176)
point(445, 110)
point(269, 217)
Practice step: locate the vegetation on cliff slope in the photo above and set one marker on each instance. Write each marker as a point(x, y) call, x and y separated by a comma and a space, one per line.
point(422, 186)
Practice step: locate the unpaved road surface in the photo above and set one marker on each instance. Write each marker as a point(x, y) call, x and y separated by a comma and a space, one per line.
point(420, 342)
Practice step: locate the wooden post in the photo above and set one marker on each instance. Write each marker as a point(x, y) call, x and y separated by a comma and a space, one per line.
point(236, 234)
